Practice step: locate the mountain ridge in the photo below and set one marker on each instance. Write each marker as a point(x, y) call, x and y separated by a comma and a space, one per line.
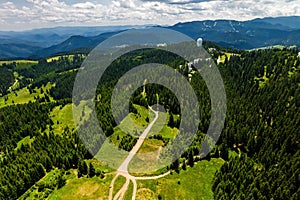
point(245, 35)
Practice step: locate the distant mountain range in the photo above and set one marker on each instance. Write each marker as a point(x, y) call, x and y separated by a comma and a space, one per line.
point(230, 33)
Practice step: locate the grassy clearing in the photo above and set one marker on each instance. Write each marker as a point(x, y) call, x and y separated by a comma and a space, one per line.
point(148, 155)
point(128, 194)
point(168, 132)
point(132, 124)
point(135, 123)
point(56, 58)
point(20, 64)
point(227, 55)
point(150, 145)
point(69, 57)
point(262, 80)
point(23, 96)
point(84, 188)
point(145, 193)
point(111, 155)
point(120, 181)
point(63, 116)
point(146, 161)
point(99, 166)
point(193, 183)
point(43, 188)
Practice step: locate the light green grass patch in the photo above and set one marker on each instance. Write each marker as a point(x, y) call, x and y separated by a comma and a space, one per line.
point(84, 188)
point(168, 132)
point(63, 116)
point(99, 166)
point(117, 136)
point(20, 64)
point(56, 58)
point(145, 193)
point(23, 96)
point(43, 188)
point(111, 155)
point(146, 161)
point(24, 141)
point(194, 183)
point(120, 181)
point(69, 57)
point(135, 124)
point(228, 55)
point(232, 154)
point(128, 194)
point(262, 80)
point(150, 145)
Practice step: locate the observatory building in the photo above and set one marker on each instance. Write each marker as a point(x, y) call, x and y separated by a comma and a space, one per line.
point(199, 42)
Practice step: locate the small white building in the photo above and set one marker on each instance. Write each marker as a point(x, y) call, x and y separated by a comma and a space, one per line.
point(298, 54)
point(199, 42)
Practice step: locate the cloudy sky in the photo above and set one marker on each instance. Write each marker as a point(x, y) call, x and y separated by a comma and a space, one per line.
point(29, 14)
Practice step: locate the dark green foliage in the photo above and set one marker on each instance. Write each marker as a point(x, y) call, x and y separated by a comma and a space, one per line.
point(64, 86)
point(6, 80)
point(55, 72)
point(43, 68)
point(82, 168)
point(191, 158)
point(171, 122)
point(21, 121)
point(20, 170)
point(262, 121)
point(92, 171)
point(127, 142)
point(184, 165)
point(60, 181)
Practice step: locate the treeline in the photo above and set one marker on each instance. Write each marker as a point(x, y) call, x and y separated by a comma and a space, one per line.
point(64, 86)
point(262, 121)
point(44, 68)
point(7, 79)
point(45, 72)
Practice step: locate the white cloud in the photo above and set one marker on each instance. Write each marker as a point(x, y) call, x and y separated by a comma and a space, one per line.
point(123, 12)
point(86, 5)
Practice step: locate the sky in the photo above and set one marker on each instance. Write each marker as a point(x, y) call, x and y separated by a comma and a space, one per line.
point(20, 15)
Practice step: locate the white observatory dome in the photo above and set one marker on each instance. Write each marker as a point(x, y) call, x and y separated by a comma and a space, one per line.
point(199, 42)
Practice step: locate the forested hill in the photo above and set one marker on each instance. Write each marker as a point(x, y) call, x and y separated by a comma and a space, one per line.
point(263, 121)
point(260, 140)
